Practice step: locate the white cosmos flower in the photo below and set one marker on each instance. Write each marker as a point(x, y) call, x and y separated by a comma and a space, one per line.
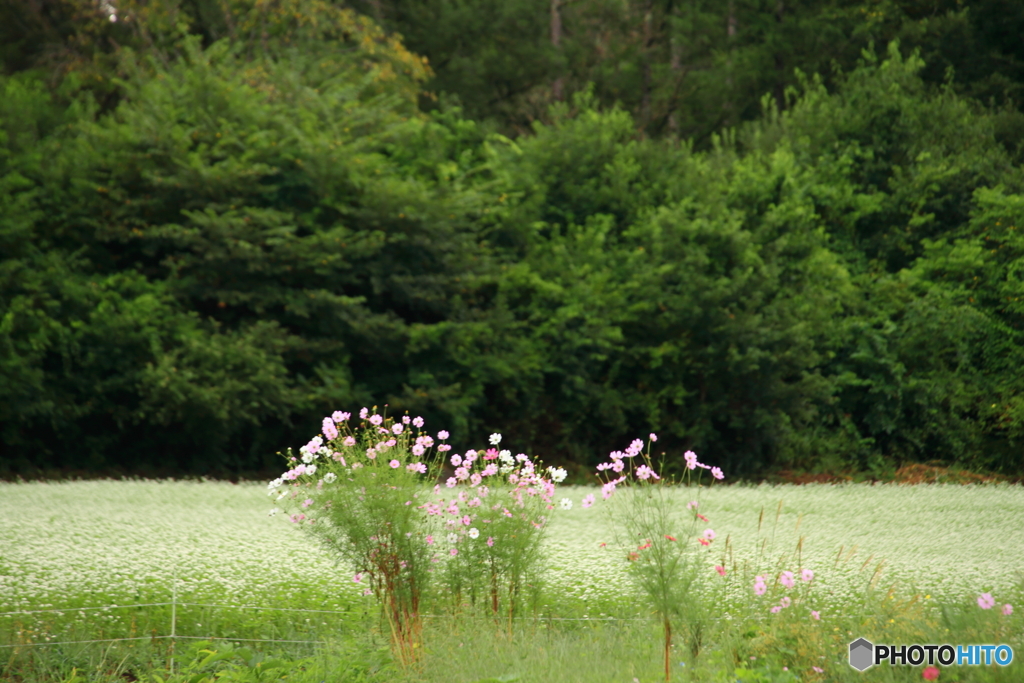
point(307, 458)
point(453, 538)
point(474, 532)
point(558, 474)
point(330, 478)
point(495, 439)
point(565, 504)
point(274, 511)
point(311, 469)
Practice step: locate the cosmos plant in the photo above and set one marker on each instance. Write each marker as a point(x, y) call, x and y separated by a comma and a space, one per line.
point(368, 493)
point(670, 550)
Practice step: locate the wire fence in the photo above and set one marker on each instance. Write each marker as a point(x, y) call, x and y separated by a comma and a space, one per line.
point(173, 623)
point(173, 636)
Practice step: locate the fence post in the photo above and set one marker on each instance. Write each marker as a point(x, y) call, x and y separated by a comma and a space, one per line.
point(174, 612)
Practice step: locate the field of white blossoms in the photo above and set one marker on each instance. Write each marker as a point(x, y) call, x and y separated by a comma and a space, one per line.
point(880, 556)
point(95, 543)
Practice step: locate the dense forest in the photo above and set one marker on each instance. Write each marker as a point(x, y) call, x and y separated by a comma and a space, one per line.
point(781, 233)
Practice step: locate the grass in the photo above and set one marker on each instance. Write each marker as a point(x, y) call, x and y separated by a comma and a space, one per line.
point(896, 564)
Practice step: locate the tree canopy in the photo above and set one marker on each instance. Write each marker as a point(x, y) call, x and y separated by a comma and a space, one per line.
point(750, 229)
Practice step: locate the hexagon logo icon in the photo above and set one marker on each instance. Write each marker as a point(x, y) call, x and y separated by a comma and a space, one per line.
point(861, 654)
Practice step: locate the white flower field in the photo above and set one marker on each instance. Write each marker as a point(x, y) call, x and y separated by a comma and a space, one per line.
point(96, 543)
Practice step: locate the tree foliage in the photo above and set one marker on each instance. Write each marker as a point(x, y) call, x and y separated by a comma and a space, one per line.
point(220, 220)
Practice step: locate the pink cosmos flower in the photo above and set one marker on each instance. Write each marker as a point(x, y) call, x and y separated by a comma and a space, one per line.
point(417, 422)
point(588, 500)
point(358, 578)
point(453, 508)
point(1007, 609)
point(363, 413)
point(818, 669)
point(986, 601)
point(475, 479)
point(306, 503)
point(451, 482)
point(654, 437)
point(930, 673)
point(349, 441)
point(418, 449)
point(375, 420)
point(816, 615)
point(417, 467)
point(340, 417)
point(786, 579)
point(692, 505)
point(456, 460)
point(720, 569)
point(645, 472)
point(607, 490)
point(490, 541)
point(785, 602)
point(330, 431)
point(759, 586)
point(430, 539)
point(709, 534)
point(453, 552)
point(397, 428)
point(691, 459)
point(442, 435)
point(370, 453)
point(776, 609)
point(461, 473)
point(716, 472)
point(394, 464)
point(466, 520)
point(807, 575)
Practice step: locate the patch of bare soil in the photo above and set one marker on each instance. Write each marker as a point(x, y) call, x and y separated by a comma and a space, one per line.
point(913, 473)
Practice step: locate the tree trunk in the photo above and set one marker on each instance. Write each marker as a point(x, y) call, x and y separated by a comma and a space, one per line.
point(556, 41)
point(780, 67)
point(730, 33)
point(675, 64)
point(645, 57)
point(377, 11)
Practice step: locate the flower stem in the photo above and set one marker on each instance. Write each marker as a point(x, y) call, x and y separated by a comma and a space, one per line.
point(668, 647)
